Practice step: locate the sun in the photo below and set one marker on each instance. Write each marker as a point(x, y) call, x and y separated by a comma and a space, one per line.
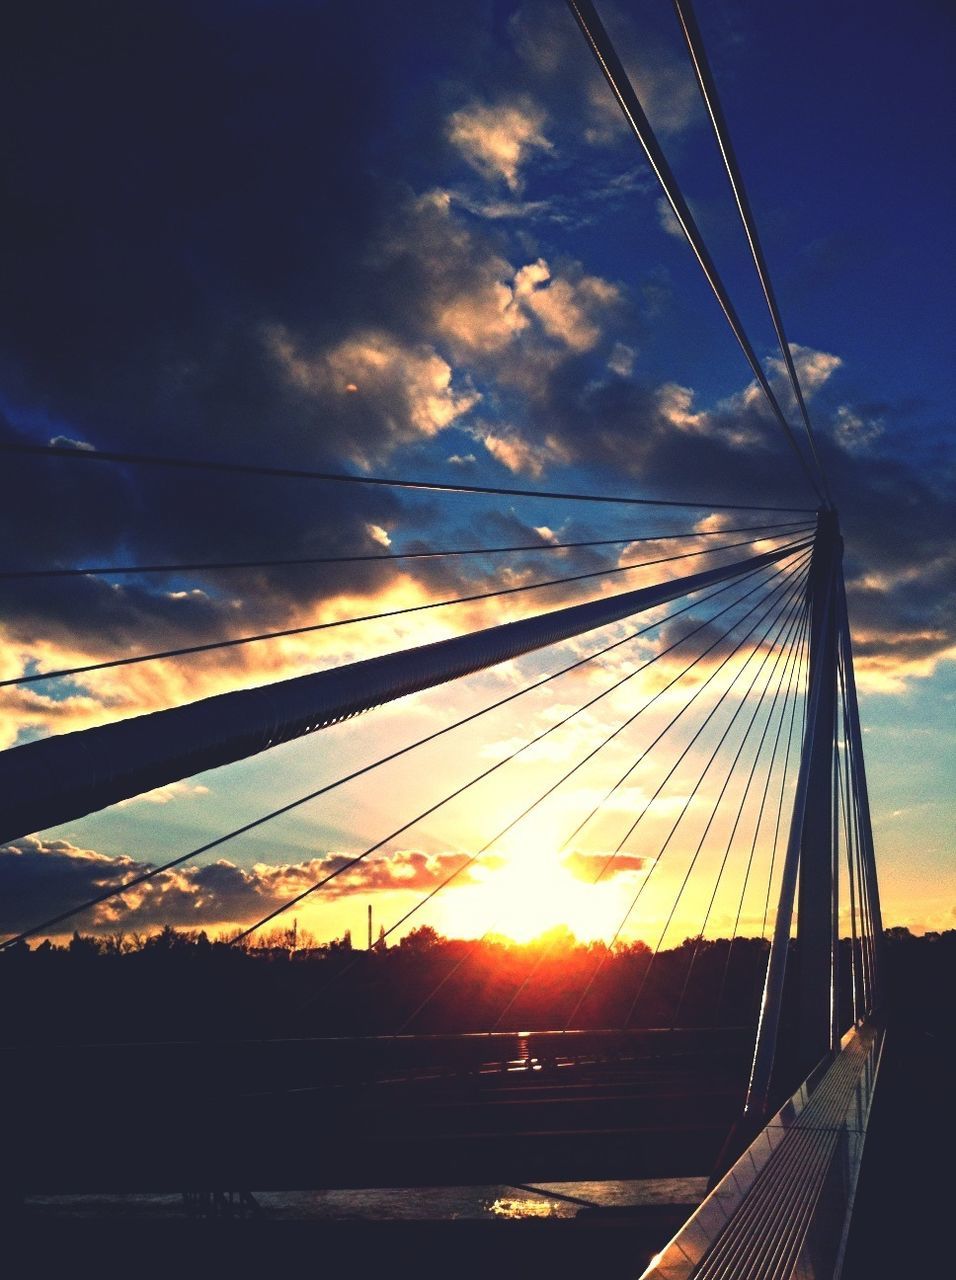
point(530, 891)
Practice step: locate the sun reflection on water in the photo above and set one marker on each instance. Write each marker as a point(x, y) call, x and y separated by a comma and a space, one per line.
point(506, 1207)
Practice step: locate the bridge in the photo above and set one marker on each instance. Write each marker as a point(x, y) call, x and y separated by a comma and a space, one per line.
point(754, 711)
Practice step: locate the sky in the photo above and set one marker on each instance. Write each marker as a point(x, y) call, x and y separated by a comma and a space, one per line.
point(418, 241)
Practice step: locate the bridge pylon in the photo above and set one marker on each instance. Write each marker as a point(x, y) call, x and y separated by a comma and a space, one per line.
point(818, 905)
point(810, 876)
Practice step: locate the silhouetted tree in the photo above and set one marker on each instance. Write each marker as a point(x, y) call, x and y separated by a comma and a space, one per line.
point(421, 940)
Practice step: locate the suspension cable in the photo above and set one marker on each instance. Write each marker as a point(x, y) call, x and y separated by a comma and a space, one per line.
point(783, 787)
point(842, 775)
point(186, 650)
point(563, 779)
point(792, 602)
point(793, 680)
point(607, 59)
point(150, 874)
point(866, 930)
point(708, 89)
point(335, 477)
point(473, 950)
point(543, 796)
point(88, 571)
point(623, 778)
point(792, 625)
point(855, 857)
point(788, 666)
point(453, 796)
point(613, 855)
point(564, 844)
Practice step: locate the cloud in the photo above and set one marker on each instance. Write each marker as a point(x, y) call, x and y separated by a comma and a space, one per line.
point(498, 140)
point(323, 312)
point(520, 455)
point(606, 189)
point(39, 878)
point(379, 535)
point(165, 795)
point(589, 866)
point(448, 315)
point(394, 393)
point(901, 571)
point(621, 360)
point(567, 309)
point(561, 71)
point(813, 368)
point(476, 304)
point(855, 432)
point(667, 218)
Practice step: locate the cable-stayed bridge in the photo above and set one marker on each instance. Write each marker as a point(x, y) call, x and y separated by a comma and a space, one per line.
point(727, 677)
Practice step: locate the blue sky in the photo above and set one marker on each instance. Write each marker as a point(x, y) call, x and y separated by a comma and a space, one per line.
point(421, 242)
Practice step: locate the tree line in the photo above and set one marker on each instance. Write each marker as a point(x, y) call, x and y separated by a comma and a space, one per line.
point(182, 984)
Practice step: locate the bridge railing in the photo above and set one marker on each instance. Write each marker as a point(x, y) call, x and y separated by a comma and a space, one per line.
point(783, 1209)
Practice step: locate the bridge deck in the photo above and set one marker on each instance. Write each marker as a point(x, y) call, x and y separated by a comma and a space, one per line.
point(781, 1210)
point(287, 1115)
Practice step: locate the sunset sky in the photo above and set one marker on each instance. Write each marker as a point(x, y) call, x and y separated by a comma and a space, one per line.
point(416, 240)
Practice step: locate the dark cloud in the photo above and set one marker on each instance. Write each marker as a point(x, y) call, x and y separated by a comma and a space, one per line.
point(899, 517)
point(209, 241)
point(220, 218)
point(173, 197)
point(39, 878)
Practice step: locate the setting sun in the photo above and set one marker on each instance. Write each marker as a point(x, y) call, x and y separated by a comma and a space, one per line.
point(533, 891)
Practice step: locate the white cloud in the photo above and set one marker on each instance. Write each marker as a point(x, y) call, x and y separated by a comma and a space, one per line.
point(498, 140)
point(483, 320)
point(567, 311)
point(668, 219)
point(68, 442)
point(165, 795)
point(676, 407)
point(521, 455)
point(407, 389)
point(478, 304)
point(814, 368)
point(853, 431)
point(661, 76)
point(621, 360)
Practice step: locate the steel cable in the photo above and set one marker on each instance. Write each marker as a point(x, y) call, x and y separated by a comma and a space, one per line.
point(88, 455)
point(789, 666)
point(394, 755)
point(186, 650)
point(646, 809)
point(553, 788)
point(792, 624)
point(454, 795)
point(374, 558)
point(474, 857)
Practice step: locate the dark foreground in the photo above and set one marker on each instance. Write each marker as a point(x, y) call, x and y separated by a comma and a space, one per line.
point(452, 1111)
point(902, 1220)
point(449, 1110)
point(567, 1249)
point(899, 1227)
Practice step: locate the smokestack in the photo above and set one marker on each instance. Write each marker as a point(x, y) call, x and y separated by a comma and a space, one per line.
point(370, 926)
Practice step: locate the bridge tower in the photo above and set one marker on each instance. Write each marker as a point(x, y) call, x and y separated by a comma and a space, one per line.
point(810, 877)
point(818, 896)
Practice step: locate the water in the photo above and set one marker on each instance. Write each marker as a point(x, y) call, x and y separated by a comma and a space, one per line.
point(417, 1204)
